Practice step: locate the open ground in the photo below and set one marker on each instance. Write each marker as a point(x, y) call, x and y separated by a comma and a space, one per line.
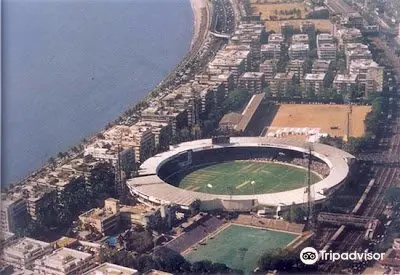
point(269, 11)
point(240, 247)
point(235, 178)
point(321, 116)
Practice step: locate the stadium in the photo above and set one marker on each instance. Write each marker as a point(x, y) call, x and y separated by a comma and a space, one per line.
point(239, 173)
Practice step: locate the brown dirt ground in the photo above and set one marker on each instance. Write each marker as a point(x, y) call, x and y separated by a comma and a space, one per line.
point(322, 116)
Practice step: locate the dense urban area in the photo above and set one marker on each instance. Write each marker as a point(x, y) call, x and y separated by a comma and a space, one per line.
point(279, 130)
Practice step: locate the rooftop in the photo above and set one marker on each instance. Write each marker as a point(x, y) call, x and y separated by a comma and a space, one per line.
point(315, 77)
point(63, 258)
point(346, 78)
point(251, 75)
point(111, 269)
point(299, 47)
point(25, 246)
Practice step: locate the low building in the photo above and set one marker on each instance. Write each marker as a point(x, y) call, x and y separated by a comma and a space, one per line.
point(344, 83)
point(103, 220)
point(268, 68)
point(230, 121)
point(276, 38)
point(270, 51)
point(111, 269)
point(327, 51)
point(281, 83)
point(13, 213)
point(300, 38)
point(253, 82)
point(64, 261)
point(22, 253)
point(297, 67)
point(298, 51)
point(315, 82)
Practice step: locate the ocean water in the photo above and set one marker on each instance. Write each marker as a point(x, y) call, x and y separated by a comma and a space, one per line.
point(71, 66)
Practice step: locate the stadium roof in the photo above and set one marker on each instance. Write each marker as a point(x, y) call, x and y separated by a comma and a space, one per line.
point(153, 188)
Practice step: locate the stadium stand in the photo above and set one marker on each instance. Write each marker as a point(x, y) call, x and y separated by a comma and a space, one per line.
point(273, 224)
point(195, 233)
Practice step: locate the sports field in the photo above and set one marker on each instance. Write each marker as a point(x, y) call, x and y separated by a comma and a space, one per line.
point(240, 247)
point(236, 177)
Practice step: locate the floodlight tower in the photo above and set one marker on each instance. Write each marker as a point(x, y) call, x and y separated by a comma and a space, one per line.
point(310, 195)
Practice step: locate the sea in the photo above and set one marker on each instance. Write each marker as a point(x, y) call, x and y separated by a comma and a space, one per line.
point(72, 66)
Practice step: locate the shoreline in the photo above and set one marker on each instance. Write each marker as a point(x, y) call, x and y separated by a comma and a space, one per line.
point(197, 6)
point(197, 9)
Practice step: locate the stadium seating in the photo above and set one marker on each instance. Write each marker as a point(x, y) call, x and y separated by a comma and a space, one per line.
point(172, 171)
point(195, 233)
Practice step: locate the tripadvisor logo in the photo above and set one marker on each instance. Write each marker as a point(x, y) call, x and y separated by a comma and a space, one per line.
point(310, 255)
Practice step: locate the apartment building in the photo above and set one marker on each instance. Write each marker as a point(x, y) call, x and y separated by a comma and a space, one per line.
point(327, 51)
point(105, 219)
point(357, 54)
point(268, 68)
point(13, 212)
point(370, 74)
point(111, 269)
point(298, 51)
point(270, 51)
point(316, 82)
point(64, 261)
point(297, 67)
point(345, 82)
point(161, 130)
point(324, 38)
point(276, 38)
point(22, 253)
point(348, 35)
point(300, 38)
point(281, 83)
point(254, 82)
point(321, 66)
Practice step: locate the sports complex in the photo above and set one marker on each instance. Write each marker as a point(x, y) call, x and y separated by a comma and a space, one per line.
point(239, 173)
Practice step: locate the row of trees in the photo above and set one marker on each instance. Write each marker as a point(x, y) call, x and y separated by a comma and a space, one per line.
point(163, 259)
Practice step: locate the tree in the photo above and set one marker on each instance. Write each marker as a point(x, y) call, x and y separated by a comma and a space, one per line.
point(392, 195)
point(102, 180)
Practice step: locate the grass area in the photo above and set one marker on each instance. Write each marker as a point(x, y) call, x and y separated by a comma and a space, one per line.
point(321, 116)
point(240, 247)
point(234, 177)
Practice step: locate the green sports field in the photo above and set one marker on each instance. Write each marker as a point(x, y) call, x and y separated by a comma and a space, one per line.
point(235, 177)
point(240, 247)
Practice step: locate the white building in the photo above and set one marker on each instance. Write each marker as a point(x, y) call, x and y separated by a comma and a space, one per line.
point(370, 74)
point(64, 261)
point(270, 51)
point(298, 51)
point(326, 51)
point(275, 38)
point(111, 269)
point(300, 38)
point(22, 253)
point(315, 82)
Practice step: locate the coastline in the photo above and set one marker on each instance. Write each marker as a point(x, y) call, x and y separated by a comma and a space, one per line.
point(199, 36)
point(197, 6)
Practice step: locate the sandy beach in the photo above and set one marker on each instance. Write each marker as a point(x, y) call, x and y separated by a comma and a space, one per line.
point(197, 6)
